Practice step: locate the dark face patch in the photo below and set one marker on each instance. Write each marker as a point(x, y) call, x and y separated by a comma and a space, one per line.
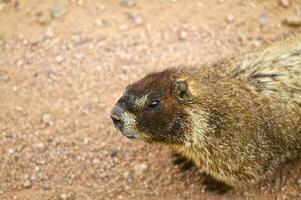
point(162, 116)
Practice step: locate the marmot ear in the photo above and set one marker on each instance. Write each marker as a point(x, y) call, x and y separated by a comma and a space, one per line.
point(180, 90)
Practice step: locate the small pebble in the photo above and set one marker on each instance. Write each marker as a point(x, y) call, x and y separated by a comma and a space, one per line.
point(86, 141)
point(95, 161)
point(43, 17)
point(45, 185)
point(263, 18)
point(284, 3)
point(293, 21)
point(80, 2)
point(11, 151)
point(20, 62)
point(140, 168)
point(101, 7)
point(46, 119)
point(63, 196)
point(49, 32)
point(59, 10)
point(40, 146)
point(99, 23)
point(127, 3)
point(182, 35)
point(59, 59)
point(136, 18)
point(127, 176)
point(27, 183)
point(79, 56)
point(230, 18)
point(2, 7)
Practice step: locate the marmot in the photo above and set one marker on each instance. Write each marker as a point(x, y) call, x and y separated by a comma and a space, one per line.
point(237, 119)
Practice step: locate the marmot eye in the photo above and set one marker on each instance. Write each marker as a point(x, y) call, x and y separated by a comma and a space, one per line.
point(154, 104)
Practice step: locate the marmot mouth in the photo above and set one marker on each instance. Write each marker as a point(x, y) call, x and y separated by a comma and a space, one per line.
point(129, 135)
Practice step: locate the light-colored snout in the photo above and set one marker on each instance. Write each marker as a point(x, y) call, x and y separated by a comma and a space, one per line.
point(124, 121)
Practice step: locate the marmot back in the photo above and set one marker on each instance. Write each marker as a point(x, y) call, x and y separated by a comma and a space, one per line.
point(275, 68)
point(237, 119)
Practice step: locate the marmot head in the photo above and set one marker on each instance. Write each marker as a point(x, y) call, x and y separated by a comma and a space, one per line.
point(154, 109)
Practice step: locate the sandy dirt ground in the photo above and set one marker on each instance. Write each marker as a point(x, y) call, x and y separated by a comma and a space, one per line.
point(63, 65)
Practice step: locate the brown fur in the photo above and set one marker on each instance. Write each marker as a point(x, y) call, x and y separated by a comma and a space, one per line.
point(236, 119)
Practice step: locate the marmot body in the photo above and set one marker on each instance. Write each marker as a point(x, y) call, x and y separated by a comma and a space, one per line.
point(236, 119)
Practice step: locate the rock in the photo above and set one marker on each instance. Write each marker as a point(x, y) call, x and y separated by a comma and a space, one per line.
point(127, 3)
point(126, 175)
point(101, 7)
point(45, 185)
point(299, 181)
point(49, 32)
point(230, 18)
point(136, 18)
point(59, 10)
point(40, 146)
point(63, 196)
point(25, 42)
point(95, 161)
point(79, 56)
point(2, 7)
point(86, 141)
point(140, 168)
point(59, 59)
point(182, 35)
point(43, 17)
point(263, 18)
point(11, 151)
point(293, 21)
point(20, 62)
point(80, 2)
point(284, 3)
point(46, 119)
point(99, 23)
point(257, 42)
point(112, 153)
point(34, 41)
point(4, 78)
point(27, 183)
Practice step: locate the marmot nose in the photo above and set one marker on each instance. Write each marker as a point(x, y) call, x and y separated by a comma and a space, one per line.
point(116, 116)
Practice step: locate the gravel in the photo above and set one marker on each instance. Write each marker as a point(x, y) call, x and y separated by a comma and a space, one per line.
point(60, 79)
